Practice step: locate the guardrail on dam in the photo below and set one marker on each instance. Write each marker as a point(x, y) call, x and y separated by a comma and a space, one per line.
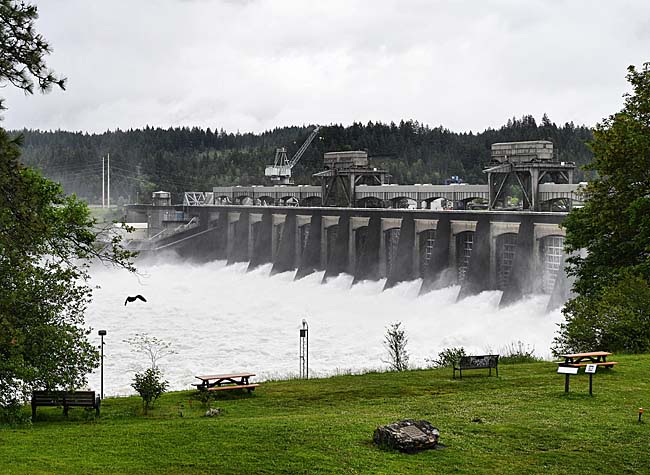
point(514, 251)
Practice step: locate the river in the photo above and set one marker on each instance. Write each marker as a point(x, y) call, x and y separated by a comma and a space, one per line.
point(220, 319)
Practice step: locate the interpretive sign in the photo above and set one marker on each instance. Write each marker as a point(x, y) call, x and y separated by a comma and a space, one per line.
point(591, 368)
point(567, 370)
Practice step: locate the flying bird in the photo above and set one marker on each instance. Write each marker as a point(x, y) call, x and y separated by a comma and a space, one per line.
point(133, 299)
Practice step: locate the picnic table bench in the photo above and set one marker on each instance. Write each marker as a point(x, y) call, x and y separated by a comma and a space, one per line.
point(477, 362)
point(225, 382)
point(66, 399)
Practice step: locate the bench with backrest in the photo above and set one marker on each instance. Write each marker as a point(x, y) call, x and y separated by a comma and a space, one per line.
point(477, 362)
point(66, 399)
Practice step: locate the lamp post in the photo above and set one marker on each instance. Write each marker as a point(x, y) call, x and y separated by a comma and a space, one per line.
point(304, 350)
point(101, 333)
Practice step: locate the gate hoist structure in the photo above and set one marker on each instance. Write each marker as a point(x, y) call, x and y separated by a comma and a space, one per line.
point(280, 171)
point(344, 171)
point(519, 168)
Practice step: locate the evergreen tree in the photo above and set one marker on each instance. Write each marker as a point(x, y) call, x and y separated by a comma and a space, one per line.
point(23, 51)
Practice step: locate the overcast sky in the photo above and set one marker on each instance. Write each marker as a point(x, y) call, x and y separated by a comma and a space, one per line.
point(252, 65)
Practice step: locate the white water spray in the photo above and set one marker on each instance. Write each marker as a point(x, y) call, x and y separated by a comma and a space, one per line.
point(221, 318)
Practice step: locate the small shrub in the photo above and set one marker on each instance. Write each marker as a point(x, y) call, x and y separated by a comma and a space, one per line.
point(518, 352)
point(395, 341)
point(150, 386)
point(447, 358)
point(14, 415)
point(204, 397)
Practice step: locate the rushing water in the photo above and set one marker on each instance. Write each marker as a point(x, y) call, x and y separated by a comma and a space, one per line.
point(221, 318)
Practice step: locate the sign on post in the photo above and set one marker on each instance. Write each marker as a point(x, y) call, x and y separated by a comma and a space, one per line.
point(567, 370)
point(590, 369)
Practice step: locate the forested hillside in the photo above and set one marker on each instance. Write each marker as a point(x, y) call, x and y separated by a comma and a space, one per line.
point(194, 159)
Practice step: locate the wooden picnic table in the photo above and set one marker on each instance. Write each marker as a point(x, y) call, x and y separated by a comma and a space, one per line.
point(598, 358)
point(572, 363)
point(217, 382)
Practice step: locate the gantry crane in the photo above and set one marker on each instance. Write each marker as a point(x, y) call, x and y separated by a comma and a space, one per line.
point(280, 171)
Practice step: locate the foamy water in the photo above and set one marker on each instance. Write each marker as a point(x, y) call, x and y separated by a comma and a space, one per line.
point(221, 318)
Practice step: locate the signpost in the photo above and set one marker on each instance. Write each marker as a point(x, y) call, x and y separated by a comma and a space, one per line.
point(590, 369)
point(567, 371)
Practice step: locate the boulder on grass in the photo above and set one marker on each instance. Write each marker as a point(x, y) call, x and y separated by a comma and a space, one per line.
point(408, 436)
point(212, 412)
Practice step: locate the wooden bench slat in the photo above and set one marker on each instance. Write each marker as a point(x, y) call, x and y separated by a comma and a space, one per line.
point(601, 363)
point(233, 386)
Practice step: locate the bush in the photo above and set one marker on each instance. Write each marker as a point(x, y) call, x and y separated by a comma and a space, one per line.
point(204, 397)
point(395, 342)
point(150, 386)
point(13, 414)
point(447, 358)
point(518, 352)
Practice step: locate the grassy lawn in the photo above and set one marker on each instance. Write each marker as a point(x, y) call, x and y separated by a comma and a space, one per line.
point(521, 422)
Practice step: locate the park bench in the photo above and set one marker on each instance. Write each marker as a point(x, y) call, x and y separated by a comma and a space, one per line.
point(66, 399)
point(477, 362)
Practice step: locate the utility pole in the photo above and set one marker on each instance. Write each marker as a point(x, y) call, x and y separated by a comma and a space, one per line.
point(103, 181)
point(108, 171)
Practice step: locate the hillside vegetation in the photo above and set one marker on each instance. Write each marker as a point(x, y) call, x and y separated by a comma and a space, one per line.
point(194, 159)
point(521, 422)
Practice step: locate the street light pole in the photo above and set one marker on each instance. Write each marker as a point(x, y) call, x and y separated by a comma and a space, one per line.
point(304, 350)
point(102, 333)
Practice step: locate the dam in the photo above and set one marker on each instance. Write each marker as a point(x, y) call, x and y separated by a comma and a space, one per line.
point(505, 235)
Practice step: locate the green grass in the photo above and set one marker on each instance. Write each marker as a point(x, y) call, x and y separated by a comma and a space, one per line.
point(520, 423)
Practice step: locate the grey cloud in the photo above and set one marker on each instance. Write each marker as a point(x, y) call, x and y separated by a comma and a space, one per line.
point(254, 65)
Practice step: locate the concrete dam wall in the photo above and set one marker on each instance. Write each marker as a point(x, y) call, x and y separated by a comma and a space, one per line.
point(517, 252)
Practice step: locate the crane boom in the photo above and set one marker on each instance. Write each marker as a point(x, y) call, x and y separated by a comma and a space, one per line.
point(280, 171)
point(304, 146)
